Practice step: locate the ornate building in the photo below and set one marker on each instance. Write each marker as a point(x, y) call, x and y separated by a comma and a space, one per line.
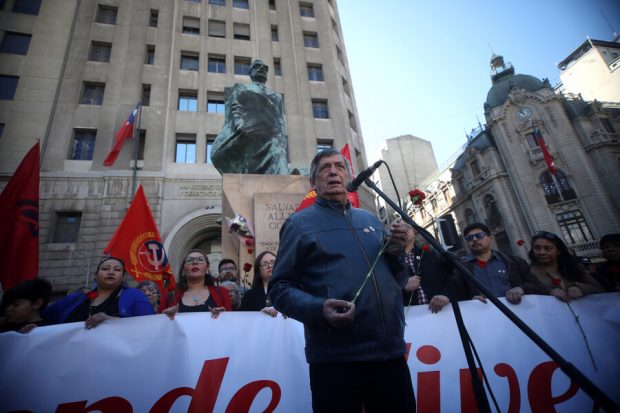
point(71, 71)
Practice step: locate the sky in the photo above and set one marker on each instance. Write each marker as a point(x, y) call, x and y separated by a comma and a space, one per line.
point(422, 67)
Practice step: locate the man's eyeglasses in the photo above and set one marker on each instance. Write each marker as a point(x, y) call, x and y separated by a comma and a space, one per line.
point(267, 264)
point(545, 234)
point(230, 268)
point(195, 260)
point(477, 235)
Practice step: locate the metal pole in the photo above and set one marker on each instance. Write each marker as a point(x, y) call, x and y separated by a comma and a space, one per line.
point(136, 145)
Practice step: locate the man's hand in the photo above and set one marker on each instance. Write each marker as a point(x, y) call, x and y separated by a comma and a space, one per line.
point(437, 303)
point(413, 283)
point(398, 237)
point(514, 295)
point(338, 313)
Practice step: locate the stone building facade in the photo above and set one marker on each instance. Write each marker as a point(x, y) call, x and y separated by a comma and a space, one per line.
point(72, 71)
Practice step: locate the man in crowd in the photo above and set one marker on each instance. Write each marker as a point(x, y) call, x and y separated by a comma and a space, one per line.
point(352, 310)
point(228, 271)
point(233, 292)
point(504, 275)
point(608, 273)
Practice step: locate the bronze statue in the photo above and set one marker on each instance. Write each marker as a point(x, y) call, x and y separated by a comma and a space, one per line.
point(253, 138)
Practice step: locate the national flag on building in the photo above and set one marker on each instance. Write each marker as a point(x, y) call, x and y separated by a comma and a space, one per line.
point(545, 152)
point(125, 132)
point(137, 242)
point(351, 196)
point(19, 223)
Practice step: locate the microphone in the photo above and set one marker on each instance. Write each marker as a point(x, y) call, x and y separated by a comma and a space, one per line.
point(365, 174)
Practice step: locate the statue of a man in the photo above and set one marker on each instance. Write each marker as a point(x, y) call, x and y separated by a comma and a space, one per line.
point(253, 138)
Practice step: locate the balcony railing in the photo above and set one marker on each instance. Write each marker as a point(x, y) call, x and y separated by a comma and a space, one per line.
point(586, 248)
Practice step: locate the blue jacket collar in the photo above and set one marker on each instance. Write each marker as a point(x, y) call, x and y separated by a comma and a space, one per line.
point(322, 202)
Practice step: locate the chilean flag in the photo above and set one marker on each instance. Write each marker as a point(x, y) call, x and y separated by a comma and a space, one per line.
point(126, 131)
point(545, 151)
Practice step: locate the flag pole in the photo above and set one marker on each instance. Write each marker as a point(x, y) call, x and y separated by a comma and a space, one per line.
point(136, 146)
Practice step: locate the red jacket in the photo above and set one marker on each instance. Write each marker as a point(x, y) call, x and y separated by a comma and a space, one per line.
point(219, 294)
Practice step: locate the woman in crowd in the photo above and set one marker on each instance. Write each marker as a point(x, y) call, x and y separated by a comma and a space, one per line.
point(149, 288)
point(558, 269)
point(22, 306)
point(110, 299)
point(256, 298)
point(196, 290)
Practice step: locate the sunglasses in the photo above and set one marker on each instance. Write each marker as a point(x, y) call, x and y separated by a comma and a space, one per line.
point(477, 235)
point(545, 234)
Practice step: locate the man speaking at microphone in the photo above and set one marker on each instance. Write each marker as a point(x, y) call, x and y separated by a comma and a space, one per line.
point(329, 276)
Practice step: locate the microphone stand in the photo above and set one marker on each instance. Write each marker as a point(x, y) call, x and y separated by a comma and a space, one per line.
point(481, 398)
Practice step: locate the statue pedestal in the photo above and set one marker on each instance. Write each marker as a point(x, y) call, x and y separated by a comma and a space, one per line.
point(266, 201)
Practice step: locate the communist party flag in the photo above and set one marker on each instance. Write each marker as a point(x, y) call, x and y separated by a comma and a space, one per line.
point(311, 194)
point(545, 151)
point(126, 131)
point(19, 223)
point(137, 242)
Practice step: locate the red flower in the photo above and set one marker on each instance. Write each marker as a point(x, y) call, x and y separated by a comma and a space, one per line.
point(520, 242)
point(417, 196)
point(556, 281)
point(249, 242)
point(166, 277)
point(250, 250)
point(425, 247)
point(91, 295)
point(247, 267)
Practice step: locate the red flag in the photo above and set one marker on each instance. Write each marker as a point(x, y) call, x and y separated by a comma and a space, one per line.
point(126, 131)
point(351, 196)
point(137, 242)
point(19, 223)
point(545, 151)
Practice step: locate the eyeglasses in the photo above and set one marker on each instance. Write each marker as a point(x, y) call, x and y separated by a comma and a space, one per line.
point(477, 235)
point(267, 264)
point(545, 234)
point(195, 260)
point(228, 268)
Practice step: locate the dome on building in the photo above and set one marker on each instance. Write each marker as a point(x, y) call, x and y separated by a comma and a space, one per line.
point(498, 94)
point(480, 143)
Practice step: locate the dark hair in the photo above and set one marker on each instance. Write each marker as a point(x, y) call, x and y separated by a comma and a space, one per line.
point(257, 281)
point(568, 266)
point(609, 239)
point(225, 261)
point(30, 290)
point(323, 154)
point(108, 258)
point(209, 280)
point(477, 225)
point(148, 283)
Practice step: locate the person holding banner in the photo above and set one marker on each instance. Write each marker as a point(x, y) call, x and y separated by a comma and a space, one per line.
point(110, 299)
point(197, 290)
point(333, 276)
point(256, 298)
point(150, 289)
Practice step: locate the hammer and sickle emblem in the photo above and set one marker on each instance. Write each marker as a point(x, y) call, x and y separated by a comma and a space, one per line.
point(28, 212)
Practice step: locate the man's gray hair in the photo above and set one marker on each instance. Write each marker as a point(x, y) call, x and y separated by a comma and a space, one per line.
point(323, 154)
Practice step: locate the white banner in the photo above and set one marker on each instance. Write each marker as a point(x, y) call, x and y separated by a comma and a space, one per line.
point(249, 362)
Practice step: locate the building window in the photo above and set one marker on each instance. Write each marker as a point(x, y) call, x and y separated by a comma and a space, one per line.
point(274, 33)
point(27, 6)
point(216, 64)
point(218, 2)
point(191, 25)
point(335, 27)
point(311, 39)
point(210, 142)
point(550, 185)
point(574, 227)
point(15, 43)
point(146, 95)
point(8, 86)
point(92, 93)
point(315, 72)
point(189, 61)
point(470, 216)
point(241, 4)
point(153, 18)
point(319, 109)
point(106, 14)
point(242, 65)
point(215, 102)
point(241, 31)
point(217, 28)
point(149, 59)
point(323, 144)
point(345, 87)
point(277, 67)
point(446, 196)
point(141, 144)
point(475, 169)
point(67, 227)
point(494, 218)
point(188, 101)
point(100, 52)
point(272, 5)
point(306, 10)
point(609, 128)
point(339, 55)
point(83, 144)
point(352, 121)
point(185, 148)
